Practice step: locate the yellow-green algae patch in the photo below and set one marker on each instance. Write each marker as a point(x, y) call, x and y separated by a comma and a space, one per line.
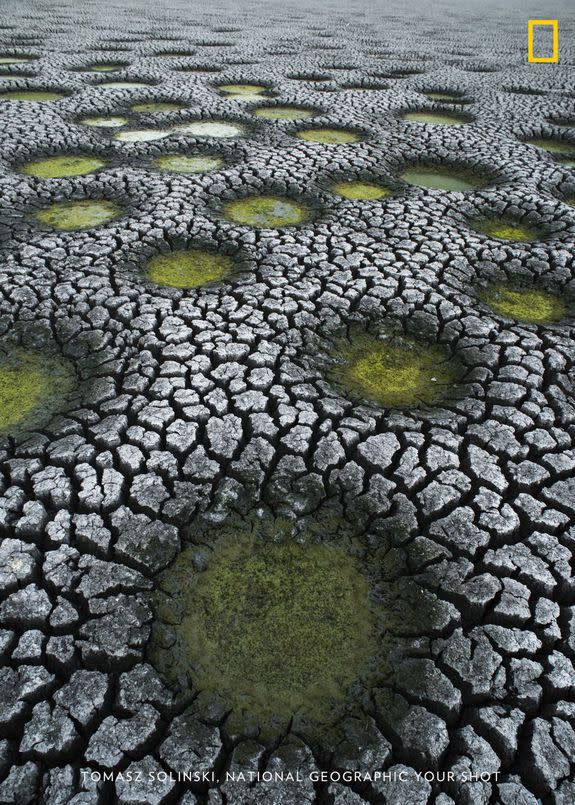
point(444, 96)
point(110, 122)
point(141, 135)
point(435, 118)
point(242, 89)
point(180, 163)
point(188, 268)
point(553, 146)
point(273, 628)
point(156, 106)
point(532, 305)
point(57, 167)
point(503, 229)
point(106, 68)
point(266, 211)
point(32, 384)
point(393, 372)
point(329, 136)
point(70, 215)
point(437, 178)
point(30, 95)
point(362, 191)
point(16, 59)
point(283, 113)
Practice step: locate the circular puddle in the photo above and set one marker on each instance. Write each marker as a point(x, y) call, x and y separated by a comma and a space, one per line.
point(283, 113)
point(329, 136)
point(242, 89)
point(218, 616)
point(180, 163)
point(435, 118)
point(360, 191)
point(110, 122)
point(211, 128)
point(441, 179)
point(32, 386)
point(152, 107)
point(123, 84)
point(552, 146)
point(270, 212)
point(58, 167)
point(31, 95)
point(70, 215)
point(532, 305)
point(105, 68)
point(452, 97)
point(188, 268)
point(395, 372)
point(506, 229)
point(141, 135)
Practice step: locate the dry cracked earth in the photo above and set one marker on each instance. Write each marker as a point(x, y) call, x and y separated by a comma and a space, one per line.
point(213, 405)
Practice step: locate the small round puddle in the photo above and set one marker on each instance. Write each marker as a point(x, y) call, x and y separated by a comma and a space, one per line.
point(242, 89)
point(395, 372)
point(188, 268)
point(141, 135)
point(58, 167)
point(111, 122)
point(360, 191)
point(211, 128)
point(272, 212)
point(105, 68)
point(283, 113)
point(453, 97)
point(437, 179)
point(31, 95)
point(552, 146)
point(123, 84)
point(180, 163)
point(329, 136)
point(314, 599)
point(506, 229)
point(32, 386)
point(156, 106)
point(70, 215)
point(524, 304)
point(435, 118)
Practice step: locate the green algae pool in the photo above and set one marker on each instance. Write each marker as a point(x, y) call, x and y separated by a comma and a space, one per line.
point(189, 268)
point(110, 67)
point(329, 136)
point(156, 106)
point(267, 211)
point(141, 135)
point(533, 305)
point(242, 89)
point(33, 386)
point(552, 146)
point(110, 122)
point(58, 167)
point(441, 178)
point(16, 59)
point(361, 191)
point(506, 229)
point(452, 97)
point(436, 118)
point(211, 128)
point(272, 628)
point(283, 113)
point(394, 372)
point(70, 215)
point(39, 96)
point(181, 163)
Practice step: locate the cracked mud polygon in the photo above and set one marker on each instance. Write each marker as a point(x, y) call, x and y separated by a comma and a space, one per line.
point(291, 522)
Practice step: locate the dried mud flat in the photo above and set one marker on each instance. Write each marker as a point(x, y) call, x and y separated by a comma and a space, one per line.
point(410, 205)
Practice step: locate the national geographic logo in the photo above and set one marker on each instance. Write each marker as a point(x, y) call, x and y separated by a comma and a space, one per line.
point(542, 41)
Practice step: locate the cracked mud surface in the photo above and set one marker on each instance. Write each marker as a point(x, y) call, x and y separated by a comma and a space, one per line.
point(212, 405)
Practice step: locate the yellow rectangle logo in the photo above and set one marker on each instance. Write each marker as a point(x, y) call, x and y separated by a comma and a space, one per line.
point(554, 24)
